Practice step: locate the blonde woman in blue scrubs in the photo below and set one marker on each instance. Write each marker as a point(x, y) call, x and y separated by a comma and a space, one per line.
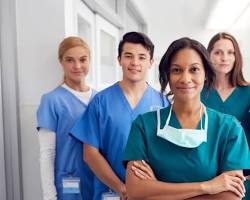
point(64, 174)
point(187, 150)
point(231, 92)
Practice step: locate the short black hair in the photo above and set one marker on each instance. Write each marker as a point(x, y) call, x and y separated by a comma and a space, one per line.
point(136, 38)
point(177, 45)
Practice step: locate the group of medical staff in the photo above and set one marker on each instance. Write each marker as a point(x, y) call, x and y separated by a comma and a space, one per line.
point(186, 149)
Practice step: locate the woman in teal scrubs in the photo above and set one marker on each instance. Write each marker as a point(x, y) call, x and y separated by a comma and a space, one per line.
point(194, 152)
point(231, 92)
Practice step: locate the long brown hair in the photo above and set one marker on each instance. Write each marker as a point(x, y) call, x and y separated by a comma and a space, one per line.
point(236, 77)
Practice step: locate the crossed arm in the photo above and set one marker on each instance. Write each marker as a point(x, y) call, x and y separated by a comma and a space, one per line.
point(142, 184)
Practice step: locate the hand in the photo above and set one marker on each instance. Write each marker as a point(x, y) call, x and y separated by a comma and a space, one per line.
point(122, 192)
point(247, 177)
point(143, 171)
point(227, 181)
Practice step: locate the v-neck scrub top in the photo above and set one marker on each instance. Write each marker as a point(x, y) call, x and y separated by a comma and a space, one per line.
point(106, 124)
point(58, 112)
point(226, 148)
point(237, 105)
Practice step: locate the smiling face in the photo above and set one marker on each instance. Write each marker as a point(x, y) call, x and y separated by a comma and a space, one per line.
point(75, 62)
point(223, 56)
point(135, 61)
point(187, 75)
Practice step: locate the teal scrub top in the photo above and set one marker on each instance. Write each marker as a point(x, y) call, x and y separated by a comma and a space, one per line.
point(226, 148)
point(237, 105)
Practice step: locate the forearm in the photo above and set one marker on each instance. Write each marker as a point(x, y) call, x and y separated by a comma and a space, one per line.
point(222, 195)
point(151, 189)
point(102, 169)
point(47, 143)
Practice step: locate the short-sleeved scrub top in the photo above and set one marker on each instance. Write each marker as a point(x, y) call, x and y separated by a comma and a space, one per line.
point(106, 123)
point(237, 105)
point(226, 148)
point(58, 112)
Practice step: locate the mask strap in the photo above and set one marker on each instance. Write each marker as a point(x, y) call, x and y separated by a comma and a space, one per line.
point(206, 117)
point(169, 115)
point(201, 115)
point(158, 120)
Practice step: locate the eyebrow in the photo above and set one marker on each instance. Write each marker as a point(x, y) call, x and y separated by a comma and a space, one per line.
point(174, 64)
point(129, 53)
point(73, 57)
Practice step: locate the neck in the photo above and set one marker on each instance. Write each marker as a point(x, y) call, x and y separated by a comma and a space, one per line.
point(133, 88)
point(77, 86)
point(222, 82)
point(187, 107)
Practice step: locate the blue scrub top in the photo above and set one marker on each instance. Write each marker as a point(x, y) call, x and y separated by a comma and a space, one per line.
point(59, 110)
point(106, 123)
point(226, 148)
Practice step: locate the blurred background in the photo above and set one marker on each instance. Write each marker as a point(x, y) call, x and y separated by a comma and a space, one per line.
point(31, 31)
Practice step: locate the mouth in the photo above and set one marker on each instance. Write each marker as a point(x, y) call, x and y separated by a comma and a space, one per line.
point(134, 70)
point(224, 65)
point(185, 88)
point(77, 73)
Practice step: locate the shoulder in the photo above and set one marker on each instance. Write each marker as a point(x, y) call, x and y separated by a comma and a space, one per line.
point(149, 119)
point(107, 91)
point(222, 119)
point(244, 89)
point(104, 96)
point(54, 94)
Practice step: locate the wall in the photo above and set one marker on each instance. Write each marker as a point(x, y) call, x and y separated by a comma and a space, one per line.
point(40, 27)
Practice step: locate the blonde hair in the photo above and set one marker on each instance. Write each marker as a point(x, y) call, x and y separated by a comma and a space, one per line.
point(68, 43)
point(71, 42)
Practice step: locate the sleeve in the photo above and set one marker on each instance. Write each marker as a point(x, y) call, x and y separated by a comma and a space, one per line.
point(236, 153)
point(166, 101)
point(47, 142)
point(46, 114)
point(86, 129)
point(136, 145)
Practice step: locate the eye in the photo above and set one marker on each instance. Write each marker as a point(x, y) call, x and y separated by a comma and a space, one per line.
point(217, 52)
point(142, 57)
point(175, 70)
point(128, 56)
point(231, 52)
point(69, 60)
point(83, 60)
point(195, 69)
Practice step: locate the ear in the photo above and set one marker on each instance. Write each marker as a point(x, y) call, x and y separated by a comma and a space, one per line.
point(151, 63)
point(119, 60)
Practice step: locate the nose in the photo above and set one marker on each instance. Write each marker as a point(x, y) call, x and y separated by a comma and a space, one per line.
point(77, 65)
point(185, 77)
point(135, 61)
point(224, 56)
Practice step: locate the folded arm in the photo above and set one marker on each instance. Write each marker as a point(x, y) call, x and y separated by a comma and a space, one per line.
point(147, 189)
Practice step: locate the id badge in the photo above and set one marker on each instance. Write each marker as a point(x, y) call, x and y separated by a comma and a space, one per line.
point(110, 196)
point(71, 185)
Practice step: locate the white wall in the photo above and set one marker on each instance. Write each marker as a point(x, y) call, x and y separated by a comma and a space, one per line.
point(40, 27)
point(168, 21)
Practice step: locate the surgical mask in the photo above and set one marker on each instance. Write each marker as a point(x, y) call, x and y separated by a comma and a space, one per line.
point(189, 138)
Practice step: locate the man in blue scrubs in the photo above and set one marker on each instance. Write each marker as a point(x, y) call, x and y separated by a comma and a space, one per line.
point(105, 126)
